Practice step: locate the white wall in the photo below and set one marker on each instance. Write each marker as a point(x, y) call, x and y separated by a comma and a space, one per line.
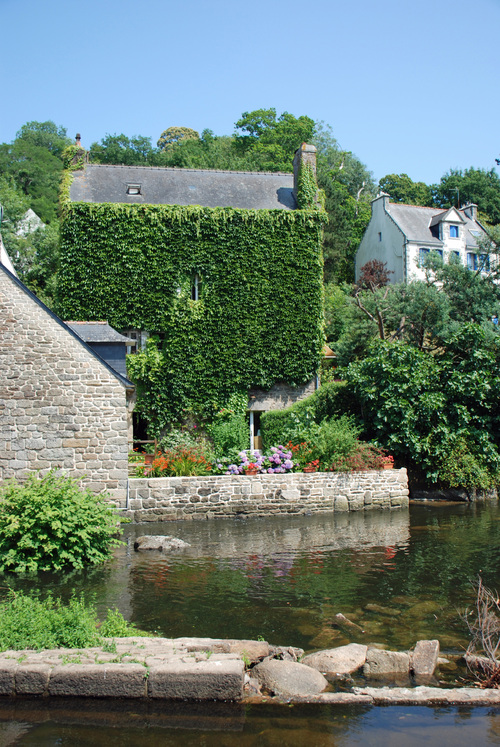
point(388, 250)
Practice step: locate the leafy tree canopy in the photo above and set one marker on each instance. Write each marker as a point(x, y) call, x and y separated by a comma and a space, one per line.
point(272, 139)
point(401, 188)
point(46, 135)
point(479, 186)
point(348, 188)
point(173, 135)
point(34, 163)
point(120, 149)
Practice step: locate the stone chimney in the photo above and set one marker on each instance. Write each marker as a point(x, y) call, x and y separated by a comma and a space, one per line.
point(305, 154)
point(470, 210)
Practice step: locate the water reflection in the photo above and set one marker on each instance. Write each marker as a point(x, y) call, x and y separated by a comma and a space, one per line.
point(400, 575)
point(137, 724)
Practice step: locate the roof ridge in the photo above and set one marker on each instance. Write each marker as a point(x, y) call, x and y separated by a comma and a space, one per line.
point(177, 169)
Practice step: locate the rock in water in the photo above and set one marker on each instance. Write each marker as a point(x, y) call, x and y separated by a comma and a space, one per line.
point(287, 678)
point(163, 543)
point(341, 660)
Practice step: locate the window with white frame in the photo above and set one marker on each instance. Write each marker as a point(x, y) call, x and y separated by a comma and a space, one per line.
point(453, 232)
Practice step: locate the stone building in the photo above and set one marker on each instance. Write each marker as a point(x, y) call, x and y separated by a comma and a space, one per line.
point(61, 405)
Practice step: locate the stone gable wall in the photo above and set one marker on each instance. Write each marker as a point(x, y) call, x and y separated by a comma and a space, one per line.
point(59, 406)
point(174, 498)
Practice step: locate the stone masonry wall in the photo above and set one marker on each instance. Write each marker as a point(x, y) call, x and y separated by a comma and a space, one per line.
point(59, 405)
point(174, 498)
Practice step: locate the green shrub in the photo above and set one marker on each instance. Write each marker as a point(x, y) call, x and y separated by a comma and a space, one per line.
point(115, 626)
point(332, 400)
point(460, 468)
point(27, 622)
point(49, 523)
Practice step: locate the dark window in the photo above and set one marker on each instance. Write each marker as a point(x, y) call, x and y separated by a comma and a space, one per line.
point(196, 287)
point(422, 254)
point(133, 189)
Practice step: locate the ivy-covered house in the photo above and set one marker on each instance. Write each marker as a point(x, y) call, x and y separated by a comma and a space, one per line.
point(221, 271)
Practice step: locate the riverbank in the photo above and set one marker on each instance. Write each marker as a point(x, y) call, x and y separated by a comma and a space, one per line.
point(196, 669)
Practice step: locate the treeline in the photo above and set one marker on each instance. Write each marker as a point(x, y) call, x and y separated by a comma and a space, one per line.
point(31, 166)
point(422, 359)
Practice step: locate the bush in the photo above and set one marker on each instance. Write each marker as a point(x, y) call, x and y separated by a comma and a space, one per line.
point(229, 430)
point(49, 523)
point(26, 622)
point(331, 400)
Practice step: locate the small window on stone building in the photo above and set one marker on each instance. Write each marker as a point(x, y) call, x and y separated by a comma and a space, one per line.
point(133, 189)
point(453, 232)
point(380, 235)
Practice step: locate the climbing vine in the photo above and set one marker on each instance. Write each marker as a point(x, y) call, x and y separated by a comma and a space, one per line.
point(307, 190)
point(257, 320)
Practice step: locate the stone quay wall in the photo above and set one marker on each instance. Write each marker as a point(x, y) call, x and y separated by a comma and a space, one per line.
point(174, 498)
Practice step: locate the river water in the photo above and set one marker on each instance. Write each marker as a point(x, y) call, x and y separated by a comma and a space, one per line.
point(400, 576)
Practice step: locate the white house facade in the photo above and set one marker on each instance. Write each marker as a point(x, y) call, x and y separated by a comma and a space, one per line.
point(402, 236)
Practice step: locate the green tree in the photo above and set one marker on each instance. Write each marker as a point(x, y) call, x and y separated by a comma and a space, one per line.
point(272, 140)
point(348, 188)
point(173, 135)
point(401, 188)
point(120, 149)
point(45, 135)
point(428, 410)
point(478, 186)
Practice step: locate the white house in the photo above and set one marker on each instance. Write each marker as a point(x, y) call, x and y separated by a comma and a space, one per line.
point(403, 235)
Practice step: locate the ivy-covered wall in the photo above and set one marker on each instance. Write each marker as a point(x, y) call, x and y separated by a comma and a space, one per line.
point(258, 319)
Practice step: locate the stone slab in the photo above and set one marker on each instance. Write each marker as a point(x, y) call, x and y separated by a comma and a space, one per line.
point(7, 674)
point(188, 679)
point(424, 658)
point(380, 663)
point(32, 679)
point(429, 695)
point(98, 681)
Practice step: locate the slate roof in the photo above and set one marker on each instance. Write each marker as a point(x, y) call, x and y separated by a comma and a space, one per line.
point(98, 332)
point(415, 222)
point(167, 186)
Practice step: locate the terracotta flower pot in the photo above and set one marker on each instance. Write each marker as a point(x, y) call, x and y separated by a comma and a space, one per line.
point(251, 472)
point(387, 466)
point(310, 469)
point(149, 458)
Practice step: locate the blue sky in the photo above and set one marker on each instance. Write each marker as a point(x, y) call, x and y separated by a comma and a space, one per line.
point(407, 86)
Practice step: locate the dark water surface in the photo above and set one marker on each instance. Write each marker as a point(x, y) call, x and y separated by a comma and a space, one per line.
point(400, 576)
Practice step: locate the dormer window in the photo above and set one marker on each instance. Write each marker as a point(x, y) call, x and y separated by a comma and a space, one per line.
point(133, 189)
point(453, 232)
